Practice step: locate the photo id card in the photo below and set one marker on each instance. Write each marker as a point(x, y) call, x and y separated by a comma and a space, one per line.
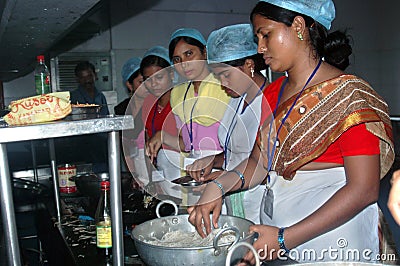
point(269, 202)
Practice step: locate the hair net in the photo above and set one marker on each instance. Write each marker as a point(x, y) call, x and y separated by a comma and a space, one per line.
point(231, 43)
point(130, 67)
point(322, 11)
point(188, 32)
point(158, 51)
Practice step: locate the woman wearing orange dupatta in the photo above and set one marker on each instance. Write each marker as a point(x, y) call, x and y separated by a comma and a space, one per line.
point(323, 153)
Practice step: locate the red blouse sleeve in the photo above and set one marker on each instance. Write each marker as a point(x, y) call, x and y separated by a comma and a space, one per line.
point(357, 140)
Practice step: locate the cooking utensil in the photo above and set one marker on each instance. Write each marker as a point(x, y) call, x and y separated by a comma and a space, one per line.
point(84, 111)
point(89, 184)
point(182, 180)
point(191, 189)
point(25, 191)
point(136, 210)
point(188, 181)
point(166, 202)
point(236, 246)
point(215, 254)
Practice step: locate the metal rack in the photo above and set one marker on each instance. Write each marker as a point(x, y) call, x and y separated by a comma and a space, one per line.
point(63, 128)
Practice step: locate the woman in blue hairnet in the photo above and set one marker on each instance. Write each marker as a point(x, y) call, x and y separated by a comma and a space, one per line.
point(158, 76)
point(132, 79)
point(321, 156)
point(198, 102)
point(232, 56)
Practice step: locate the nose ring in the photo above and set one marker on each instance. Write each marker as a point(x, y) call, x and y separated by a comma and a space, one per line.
point(263, 49)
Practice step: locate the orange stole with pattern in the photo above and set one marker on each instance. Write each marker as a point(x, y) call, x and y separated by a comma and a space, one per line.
point(322, 113)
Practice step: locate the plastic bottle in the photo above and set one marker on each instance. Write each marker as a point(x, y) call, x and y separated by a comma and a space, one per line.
point(103, 222)
point(42, 76)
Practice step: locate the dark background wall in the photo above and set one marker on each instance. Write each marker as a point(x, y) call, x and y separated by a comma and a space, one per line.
point(135, 26)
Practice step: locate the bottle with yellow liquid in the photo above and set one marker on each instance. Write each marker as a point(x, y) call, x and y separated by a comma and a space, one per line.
point(103, 222)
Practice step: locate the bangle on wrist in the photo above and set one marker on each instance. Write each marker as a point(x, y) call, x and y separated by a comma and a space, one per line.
point(240, 175)
point(220, 187)
point(281, 240)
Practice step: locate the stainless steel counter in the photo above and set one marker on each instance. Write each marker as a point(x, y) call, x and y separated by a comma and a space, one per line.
point(63, 128)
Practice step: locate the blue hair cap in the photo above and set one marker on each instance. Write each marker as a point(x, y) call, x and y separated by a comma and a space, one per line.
point(159, 51)
point(188, 32)
point(322, 11)
point(130, 67)
point(231, 43)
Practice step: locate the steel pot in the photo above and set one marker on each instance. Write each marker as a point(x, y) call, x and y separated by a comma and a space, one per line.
point(215, 254)
point(240, 244)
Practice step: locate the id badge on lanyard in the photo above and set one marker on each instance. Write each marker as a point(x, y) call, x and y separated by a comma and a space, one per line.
point(269, 194)
point(269, 201)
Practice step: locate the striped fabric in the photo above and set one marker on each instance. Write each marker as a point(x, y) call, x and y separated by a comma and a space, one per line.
point(321, 115)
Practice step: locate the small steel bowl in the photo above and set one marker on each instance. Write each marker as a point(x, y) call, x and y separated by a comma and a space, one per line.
point(188, 181)
point(192, 183)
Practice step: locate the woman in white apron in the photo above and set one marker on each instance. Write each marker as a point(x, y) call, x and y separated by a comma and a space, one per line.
point(321, 156)
point(232, 56)
point(157, 117)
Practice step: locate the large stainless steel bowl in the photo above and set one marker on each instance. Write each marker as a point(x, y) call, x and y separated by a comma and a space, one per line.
point(215, 254)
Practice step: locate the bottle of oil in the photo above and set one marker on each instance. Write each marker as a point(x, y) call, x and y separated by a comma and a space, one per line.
point(103, 223)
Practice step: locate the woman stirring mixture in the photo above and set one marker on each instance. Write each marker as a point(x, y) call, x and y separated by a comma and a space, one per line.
point(232, 56)
point(324, 152)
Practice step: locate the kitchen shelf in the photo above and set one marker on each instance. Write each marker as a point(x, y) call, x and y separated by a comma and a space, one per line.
point(63, 128)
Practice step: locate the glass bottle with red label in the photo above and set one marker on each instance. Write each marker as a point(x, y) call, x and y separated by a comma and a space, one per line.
point(103, 222)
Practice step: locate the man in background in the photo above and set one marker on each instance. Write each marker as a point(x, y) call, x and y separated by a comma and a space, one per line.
point(87, 93)
point(94, 145)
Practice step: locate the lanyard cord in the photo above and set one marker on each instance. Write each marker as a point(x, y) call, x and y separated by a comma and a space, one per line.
point(190, 130)
point(260, 90)
point(153, 129)
point(229, 135)
point(271, 155)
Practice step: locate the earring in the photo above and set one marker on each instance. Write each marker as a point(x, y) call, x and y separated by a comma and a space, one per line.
point(252, 72)
point(300, 36)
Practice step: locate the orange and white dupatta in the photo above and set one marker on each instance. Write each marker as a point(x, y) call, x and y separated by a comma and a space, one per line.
point(322, 113)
